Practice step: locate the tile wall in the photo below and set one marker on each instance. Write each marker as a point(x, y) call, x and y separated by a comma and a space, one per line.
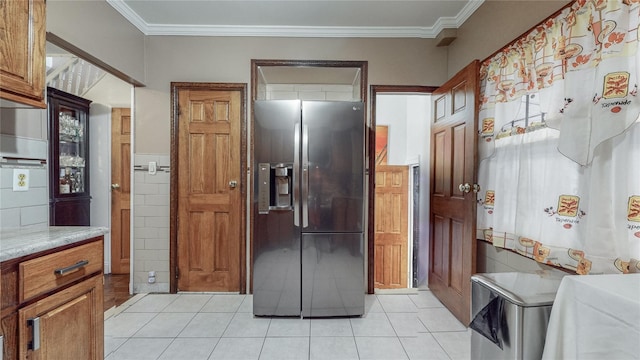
point(311, 92)
point(491, 259)
point(28, 208)
point(151, 219)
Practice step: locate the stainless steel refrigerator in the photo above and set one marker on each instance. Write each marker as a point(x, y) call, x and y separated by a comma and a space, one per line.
point(308, 247)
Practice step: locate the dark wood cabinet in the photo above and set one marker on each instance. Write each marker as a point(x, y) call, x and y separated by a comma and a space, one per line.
point(69, 196)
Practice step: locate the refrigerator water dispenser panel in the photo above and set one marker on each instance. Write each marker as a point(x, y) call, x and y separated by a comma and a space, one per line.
point(275, 187)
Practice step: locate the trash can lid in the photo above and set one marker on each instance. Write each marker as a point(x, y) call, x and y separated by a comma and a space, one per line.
point(522, 289)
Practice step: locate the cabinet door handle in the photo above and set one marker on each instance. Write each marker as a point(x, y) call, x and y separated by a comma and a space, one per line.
point(75, 266)
point(34, 344)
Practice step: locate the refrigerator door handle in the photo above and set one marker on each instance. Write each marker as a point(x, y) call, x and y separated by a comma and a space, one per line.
point(296, 175)
point(305, 176)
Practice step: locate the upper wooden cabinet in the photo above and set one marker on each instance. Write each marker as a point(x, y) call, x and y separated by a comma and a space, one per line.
point(22, 51)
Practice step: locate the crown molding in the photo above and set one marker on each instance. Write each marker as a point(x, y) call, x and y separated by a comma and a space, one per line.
point(297, 31)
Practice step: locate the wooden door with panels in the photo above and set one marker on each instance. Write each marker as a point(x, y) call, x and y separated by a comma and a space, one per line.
point(453, 205)
point(120, 190)
point(209, 226)
point(391, 226)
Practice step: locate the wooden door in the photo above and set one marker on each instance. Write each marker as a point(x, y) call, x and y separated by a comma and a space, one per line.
point(452, 211)
point(391, 227)
point(120, 190)
point(71, 324)
point(209, 194)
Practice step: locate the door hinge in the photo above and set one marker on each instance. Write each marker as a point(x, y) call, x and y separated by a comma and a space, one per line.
point(177, 273)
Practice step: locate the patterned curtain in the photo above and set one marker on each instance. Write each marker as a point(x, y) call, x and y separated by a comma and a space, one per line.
point(560, 140)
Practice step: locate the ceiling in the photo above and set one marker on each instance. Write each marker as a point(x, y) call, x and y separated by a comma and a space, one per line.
point(297, 18)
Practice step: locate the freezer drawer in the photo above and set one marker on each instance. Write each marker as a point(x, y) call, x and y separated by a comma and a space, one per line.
point(332, 274)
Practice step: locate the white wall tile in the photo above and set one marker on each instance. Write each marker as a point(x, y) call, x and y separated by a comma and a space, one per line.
point(163, 189)
point(283, 95)
point(308, 87)
point(33, 215)
point(339, 96)
point(311, 95)
point(157, 221)
point(154, 265)
point(160, 177)
point(146, 233)
point(337, 88)
point(146, 210)
point(144, 189)
point(139, 243)
point(18, 199)
point(157, 200)
point(156, 244)
point(152, 255)
point(138, 178)
point(280, 87)
point(9, 218)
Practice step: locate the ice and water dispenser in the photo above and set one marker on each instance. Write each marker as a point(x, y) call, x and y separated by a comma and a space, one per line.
point(275, 187)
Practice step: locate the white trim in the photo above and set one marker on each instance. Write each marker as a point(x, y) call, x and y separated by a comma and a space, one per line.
point(132, 186)
point(298, 31)
point(129, 14)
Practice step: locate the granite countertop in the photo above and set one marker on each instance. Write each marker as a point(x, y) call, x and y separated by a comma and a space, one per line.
point(15, 243)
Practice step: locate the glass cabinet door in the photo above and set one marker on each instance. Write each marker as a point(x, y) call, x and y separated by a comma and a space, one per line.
point(72, 150)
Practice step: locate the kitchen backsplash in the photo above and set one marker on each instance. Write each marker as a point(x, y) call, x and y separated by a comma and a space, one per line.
point(26, 205)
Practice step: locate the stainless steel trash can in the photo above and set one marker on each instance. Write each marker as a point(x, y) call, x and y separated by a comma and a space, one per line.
point(510, 313)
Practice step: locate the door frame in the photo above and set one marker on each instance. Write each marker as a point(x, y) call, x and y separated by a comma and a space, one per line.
point(371, 153)
point(175, 176)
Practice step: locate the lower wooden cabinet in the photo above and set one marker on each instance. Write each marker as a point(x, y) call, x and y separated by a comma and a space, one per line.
point(51, 304)
point(66, 325)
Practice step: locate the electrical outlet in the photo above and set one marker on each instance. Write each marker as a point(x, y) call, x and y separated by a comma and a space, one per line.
point(152, 167)
point(20, 179)
point(152, 277)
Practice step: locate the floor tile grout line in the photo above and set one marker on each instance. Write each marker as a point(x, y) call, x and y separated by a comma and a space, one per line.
point(309, 335)
point(406, 353)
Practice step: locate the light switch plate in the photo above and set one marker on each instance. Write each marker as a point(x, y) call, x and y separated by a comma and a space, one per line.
point(152, 167)
point(20, 179)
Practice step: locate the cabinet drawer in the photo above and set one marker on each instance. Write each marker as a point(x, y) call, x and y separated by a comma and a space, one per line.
point(48, 272)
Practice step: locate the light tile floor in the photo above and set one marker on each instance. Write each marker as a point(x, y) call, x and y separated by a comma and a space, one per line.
point(205, 326)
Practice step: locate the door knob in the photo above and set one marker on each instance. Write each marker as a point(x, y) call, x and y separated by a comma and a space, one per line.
point(115, 186)
point(476, 188)
point(233, 184)
point(465, 188)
